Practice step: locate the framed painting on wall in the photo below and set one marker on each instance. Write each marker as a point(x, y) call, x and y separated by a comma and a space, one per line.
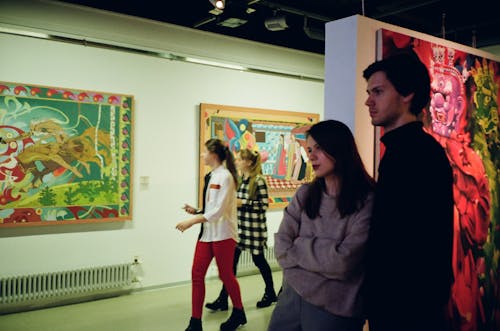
point(463, 116)
point(65, 155)
point(279, 137)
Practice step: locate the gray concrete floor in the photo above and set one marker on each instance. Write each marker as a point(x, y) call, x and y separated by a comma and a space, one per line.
point(166, 309)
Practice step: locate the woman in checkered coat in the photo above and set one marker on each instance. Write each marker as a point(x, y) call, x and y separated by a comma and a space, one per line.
point(252, 202)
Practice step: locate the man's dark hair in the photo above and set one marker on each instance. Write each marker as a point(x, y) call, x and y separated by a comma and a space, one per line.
point(408, 75)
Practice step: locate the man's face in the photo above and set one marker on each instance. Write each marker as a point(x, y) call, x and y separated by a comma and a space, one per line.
point(385, 104)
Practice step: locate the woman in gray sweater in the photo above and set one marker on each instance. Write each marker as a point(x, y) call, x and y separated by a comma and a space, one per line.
point(321, 241)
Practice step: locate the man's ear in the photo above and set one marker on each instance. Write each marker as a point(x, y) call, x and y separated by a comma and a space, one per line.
point(408, 98)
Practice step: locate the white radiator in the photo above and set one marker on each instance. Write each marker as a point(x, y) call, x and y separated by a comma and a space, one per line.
point(246, 266)
point(38, 290)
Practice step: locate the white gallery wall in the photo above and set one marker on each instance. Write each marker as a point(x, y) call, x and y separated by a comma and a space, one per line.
point(167, 95)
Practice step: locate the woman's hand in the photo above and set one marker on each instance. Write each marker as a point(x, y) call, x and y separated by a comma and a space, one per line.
point(190, 209)
point(184, 225)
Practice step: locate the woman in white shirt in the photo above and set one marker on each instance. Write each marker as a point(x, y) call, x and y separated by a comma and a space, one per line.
point(219, 235)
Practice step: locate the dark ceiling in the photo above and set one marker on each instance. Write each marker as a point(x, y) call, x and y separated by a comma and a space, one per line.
point(464, 22)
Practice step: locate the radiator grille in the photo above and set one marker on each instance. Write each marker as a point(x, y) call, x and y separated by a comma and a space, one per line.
point(72, 283)
point(245, 264)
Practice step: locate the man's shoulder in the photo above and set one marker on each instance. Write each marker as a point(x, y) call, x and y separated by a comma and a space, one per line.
point(432, 153)
point(430, 143)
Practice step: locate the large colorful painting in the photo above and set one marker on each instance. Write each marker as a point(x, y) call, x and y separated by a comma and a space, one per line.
point(65, 155)
point(279, 136)
point(463, 116)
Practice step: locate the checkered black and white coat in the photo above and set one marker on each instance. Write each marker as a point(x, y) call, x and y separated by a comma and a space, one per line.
point(252, 228)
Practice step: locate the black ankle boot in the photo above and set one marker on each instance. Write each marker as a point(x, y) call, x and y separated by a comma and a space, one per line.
point(220, 303)
point(236, 319)
point(267, 300)
point(194, 325)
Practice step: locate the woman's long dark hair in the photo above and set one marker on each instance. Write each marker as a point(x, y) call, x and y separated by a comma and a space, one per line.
point(217, 147)
point(336, 140)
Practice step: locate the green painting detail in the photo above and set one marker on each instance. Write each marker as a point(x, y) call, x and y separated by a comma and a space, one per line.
point(65, 155)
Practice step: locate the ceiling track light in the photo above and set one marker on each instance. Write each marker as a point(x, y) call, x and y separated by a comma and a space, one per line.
point(276, 23)
point(219, 4)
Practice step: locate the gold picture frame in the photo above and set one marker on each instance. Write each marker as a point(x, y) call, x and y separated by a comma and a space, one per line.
point(278, 135)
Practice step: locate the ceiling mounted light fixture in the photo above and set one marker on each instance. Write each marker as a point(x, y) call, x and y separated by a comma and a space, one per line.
point(219, 4)
point(312, 32)
point(236, 14)
point(231, 21)
point(276, 23)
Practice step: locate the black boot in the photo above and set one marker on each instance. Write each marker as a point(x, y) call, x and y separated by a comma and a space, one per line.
point(236, 319)
point(268, 299)
point(194, 325)
point(220, 303)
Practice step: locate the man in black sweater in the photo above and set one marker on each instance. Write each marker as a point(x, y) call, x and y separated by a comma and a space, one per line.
point(409, 272)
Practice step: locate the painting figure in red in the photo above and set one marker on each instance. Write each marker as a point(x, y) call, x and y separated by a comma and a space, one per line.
point(471, 188)
point(463, 117)
point(280, 165)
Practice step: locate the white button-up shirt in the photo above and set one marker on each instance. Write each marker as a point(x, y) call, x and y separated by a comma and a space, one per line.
point(220, 207)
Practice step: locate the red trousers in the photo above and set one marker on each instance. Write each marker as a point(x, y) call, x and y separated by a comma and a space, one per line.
point(223, 251)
